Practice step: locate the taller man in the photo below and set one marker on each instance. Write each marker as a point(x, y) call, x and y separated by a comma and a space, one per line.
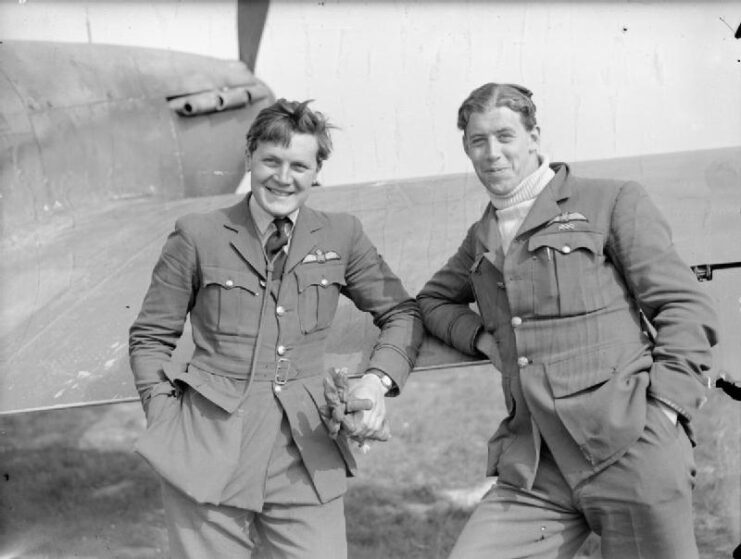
point(598, 432)
point(237, 435)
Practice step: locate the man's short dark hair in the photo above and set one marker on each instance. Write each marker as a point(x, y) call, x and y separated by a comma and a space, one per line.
point(490, 95)
point(281, 120)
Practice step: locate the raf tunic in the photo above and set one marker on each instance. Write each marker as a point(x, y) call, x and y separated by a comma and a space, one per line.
point(563, 304)
point(259, 347)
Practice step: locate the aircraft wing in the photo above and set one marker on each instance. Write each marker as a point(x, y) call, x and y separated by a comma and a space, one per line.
point(69, 301)
point(699, 192)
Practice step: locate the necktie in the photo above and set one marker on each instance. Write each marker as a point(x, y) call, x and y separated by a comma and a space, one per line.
point(275, 243)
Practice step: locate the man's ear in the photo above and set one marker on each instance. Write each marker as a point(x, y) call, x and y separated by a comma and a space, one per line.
point(465, 143)
point(316, 182)
point(535, 138)
point(247, 162)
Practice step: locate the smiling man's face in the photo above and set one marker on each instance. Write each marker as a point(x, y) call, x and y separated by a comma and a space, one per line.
point(502, 151)
point(281, 177)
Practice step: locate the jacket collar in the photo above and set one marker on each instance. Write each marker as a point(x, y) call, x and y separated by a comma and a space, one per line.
point(546, 205)
point(544, 209)
point(246, 238)
point(304, 239)
point(488, 235)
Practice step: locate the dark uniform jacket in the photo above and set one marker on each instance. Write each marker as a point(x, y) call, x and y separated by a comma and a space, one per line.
point(214, 441)
point(563, 304)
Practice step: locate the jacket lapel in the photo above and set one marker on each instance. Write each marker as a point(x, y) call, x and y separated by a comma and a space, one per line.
point(546, 205)
point(304, 238)
point(488, 236)
point(245, 238)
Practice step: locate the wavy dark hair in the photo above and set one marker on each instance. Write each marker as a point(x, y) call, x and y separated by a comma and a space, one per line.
point(281, 120)
point(490, 95)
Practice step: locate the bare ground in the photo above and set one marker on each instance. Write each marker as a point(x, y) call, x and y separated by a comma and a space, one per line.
point(72, 487)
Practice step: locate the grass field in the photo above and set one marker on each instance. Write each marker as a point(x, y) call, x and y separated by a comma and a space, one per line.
point(71, 487)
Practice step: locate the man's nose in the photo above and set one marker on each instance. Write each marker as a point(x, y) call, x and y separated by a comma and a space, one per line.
point(283, 175)
point(493, 149)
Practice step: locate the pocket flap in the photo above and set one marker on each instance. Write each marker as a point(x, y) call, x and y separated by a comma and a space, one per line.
point(567, 381)
point(231, 279)
point(568, 241)
point(319, 274)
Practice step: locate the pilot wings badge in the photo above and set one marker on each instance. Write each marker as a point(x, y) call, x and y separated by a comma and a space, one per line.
point(320, 256)
point(566, 219)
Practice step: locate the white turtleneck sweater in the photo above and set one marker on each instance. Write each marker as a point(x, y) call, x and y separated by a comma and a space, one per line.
point(511, 209)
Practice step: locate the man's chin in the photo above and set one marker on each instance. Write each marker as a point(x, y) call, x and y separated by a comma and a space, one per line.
point(277, 206)
point(282, 207)
point(501, 188)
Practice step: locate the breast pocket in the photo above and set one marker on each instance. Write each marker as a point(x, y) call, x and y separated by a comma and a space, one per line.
point(319, 288)
point(229, 301)
point(566, 268)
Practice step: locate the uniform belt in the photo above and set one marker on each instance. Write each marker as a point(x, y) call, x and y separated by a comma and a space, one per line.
point(281, 371)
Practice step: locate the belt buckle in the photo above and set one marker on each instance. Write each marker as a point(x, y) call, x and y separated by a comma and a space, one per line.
point(282, 367)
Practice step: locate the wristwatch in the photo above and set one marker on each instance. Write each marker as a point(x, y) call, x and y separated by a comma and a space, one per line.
point(386, 380)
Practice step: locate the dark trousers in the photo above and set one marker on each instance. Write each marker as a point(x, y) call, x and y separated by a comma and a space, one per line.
point(286, 530)
point(641, 506)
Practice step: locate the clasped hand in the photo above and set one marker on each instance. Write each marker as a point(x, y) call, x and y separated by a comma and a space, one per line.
point(357, 411)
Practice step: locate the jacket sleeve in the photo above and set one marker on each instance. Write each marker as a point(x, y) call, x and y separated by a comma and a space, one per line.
point(669, 295)
point(159, 325)
point(374, 288)
point(445, 300)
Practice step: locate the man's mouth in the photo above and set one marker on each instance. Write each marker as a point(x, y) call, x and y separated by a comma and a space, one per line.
point(278, 192)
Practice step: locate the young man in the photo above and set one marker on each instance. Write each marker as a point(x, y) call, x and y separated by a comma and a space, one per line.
point(237, 436)
point(598, 433)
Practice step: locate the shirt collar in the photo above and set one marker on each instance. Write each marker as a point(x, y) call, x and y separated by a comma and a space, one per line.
point(263, 219)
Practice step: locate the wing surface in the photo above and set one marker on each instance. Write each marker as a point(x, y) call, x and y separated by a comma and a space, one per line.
point(70, 298)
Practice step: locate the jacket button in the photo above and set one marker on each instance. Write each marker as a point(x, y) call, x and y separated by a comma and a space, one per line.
point(566, 249)
point(516, 321)
point(262, 283)
point(523, 361)
point(324, 282)
point(281, 350)
point(229, 283)
point(280, 311)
